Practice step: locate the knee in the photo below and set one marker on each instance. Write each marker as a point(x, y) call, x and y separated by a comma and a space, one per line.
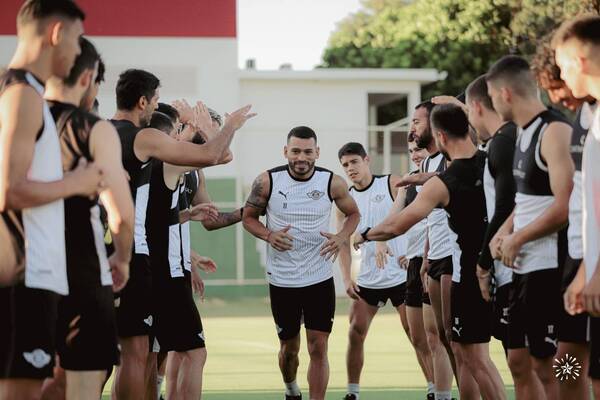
point(419, 343)
point(357, 332)
point(446, 334)
point(519, 366)
point(433, 340)
point(288, 353)
point(317, 348)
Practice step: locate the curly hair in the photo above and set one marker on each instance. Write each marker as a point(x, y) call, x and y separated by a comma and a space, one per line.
point(543, 62)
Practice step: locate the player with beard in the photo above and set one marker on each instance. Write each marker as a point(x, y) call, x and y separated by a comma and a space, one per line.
point(572, 330)
point(86, 331)
point(576, 44)
point(381, 277)
point(33, 270)
point(137, 98)
point(543, 172)
point(437, 269)
point(297, 199)
point(459, 189)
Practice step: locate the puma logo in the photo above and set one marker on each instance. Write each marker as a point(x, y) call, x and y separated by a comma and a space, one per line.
point(551, 341)
point(457, 330)
point(283, 194)
point(148, 320)
point(38, 358)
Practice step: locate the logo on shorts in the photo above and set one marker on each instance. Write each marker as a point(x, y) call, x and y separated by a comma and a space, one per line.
point(148, 320)
point(278, 328)
point(566, 368)
point(551, 341)
point(380, 304)
point(38, 358)
point(379, 198)
point(201, 335)
point(315, 194)
point(457, 329)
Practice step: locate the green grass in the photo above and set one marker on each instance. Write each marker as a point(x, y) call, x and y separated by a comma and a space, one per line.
point(242, 355)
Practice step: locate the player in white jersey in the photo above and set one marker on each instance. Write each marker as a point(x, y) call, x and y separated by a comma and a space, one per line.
point(437, 268)
point(380, 277)
point(297, 200)
point(577, 45)
point(543, 172)
point(31, 191)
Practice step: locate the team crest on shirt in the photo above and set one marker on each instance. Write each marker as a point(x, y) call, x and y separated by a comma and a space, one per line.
point(379, 198)
point(315, 194)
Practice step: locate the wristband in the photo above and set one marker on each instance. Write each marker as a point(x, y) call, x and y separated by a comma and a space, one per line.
point(241, 212)
point(363, 234)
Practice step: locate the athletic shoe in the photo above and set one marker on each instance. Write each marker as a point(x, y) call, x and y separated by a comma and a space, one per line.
point(431, 396)
point(288, 397)
point(350, 396)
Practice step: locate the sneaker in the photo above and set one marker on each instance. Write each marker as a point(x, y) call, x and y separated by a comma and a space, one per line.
point(431, 396)
point(288, 397)
point(350, 396)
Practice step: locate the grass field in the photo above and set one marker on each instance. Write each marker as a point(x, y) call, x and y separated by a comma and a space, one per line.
point(242, 349)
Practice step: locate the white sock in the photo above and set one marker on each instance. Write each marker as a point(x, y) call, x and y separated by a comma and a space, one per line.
point(441, 395)
point(354, 388)
point(430, 388)
point(159, 381)
point(292, 389)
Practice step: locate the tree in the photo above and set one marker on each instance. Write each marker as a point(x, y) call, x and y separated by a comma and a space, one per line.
point(461, 37)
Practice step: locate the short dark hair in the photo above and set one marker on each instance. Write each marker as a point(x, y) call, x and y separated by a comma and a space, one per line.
point(585, 28)
point(215, 116)
point(352, 149)
point(428, 105)
point(169, 111)
point(162, 122)
point(302, 132)
point(451, 119)
point(515, 71)
point(35, 10)
point(133, 84)
point(544, 62)
point(101, 70)
point(85, 60)
point(477, 90)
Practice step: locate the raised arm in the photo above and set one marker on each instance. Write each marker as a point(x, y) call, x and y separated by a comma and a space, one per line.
point(105, 147)
point(434, 193)
point(555, 149)
point(21, 110)
point(154, 143)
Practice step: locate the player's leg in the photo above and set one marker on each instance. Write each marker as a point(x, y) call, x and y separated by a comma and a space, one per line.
point(318, 305)
point(287, 314)
point(481, 367)
point(361, 315)
point(442, 366)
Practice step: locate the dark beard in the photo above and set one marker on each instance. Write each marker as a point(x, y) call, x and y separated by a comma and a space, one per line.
point(424, 140)
point(308, 170)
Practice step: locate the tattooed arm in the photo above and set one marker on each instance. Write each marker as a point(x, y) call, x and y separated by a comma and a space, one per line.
point(255, 206)
point(224, 218)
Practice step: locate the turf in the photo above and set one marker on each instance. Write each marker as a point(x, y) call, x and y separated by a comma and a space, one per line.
point(242, 355)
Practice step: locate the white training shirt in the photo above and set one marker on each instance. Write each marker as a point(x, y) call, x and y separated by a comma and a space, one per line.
point(305, 205)
point(374, 203)
point(591, 197)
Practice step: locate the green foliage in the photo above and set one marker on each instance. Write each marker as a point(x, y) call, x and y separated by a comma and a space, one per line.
point(461, 37)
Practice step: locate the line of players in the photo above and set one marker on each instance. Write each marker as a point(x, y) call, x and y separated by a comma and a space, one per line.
point(60, 161)
point(48, 40)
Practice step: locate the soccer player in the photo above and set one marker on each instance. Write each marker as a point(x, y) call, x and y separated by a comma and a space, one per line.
point(572, 330)
point(381, 277)
point(499, 186)
point(32, 186)
point(137, 98)
point(576, 44)
point(543, 172)
point(86, 330)
point(459, 189)
point(438, 259)
point(297, 199)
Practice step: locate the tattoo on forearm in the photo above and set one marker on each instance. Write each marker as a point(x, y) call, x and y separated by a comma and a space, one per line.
point(256, 198)
point(227, 218)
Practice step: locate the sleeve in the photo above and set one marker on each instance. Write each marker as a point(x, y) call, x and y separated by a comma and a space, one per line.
point(500, 163)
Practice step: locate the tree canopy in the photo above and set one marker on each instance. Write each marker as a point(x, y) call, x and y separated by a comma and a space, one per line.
point(461, 37)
